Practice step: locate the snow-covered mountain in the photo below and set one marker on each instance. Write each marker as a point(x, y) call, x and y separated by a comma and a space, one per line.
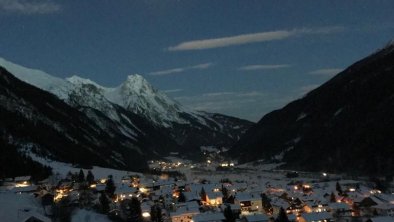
point(34, 122)
point(136, 109)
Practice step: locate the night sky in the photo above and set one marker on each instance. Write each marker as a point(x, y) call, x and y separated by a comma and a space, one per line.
point(243, 58)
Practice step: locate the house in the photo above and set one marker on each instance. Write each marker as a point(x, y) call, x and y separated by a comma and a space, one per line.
point(35, 217)
point(340, 209)
point(185, 212)
point(316, 217)
point(214, 198)
point(384, 209)
point(254, 218)
point(249, 203)
point(209, 217)
point(124, 192)
point(25, 189)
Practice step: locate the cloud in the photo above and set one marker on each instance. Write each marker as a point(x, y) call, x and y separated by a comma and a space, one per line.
point(263, 67)
point(326, 72)
point(180, 69)
point(172, 90)
point(29, 7)
point(250, 38)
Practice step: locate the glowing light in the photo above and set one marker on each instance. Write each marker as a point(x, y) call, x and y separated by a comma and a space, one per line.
point(93, 186)
point(208, 161)
point(146, 214)
point(324, 174)
point(143, 190)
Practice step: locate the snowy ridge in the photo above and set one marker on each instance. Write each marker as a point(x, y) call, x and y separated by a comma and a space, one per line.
point(135, 95)
point(38, 78)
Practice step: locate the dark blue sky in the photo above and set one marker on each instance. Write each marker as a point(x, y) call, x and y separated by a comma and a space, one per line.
point(243, 58)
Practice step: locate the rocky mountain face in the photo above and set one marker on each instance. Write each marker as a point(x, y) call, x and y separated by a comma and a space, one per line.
point(140, 117)
point(345, 125)
point(34, 122)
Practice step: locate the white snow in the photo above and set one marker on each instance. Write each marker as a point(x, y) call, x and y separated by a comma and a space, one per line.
point(38, 78)
point(82, 215)
point(338, 111)
point(18, 207)
point(301, 116)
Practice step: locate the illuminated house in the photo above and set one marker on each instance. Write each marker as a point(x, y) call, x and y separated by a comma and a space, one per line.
point(249, 203)
point(125, 192)
point(316, 217)
point(214, 198)
point(185, 212)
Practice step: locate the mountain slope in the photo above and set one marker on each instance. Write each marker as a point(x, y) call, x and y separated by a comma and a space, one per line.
point(36, 122)
point(345, 125)
point(136, 110)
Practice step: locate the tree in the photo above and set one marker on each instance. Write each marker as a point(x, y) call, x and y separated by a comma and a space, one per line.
point(104, 203)
point(282, 216)
point(228, 214)
point(135, 210)
point(86, 198)
point(181, 197)
point(333, 199)
point(90, 177)
point(339, 188)
point(81, 176)
point(155, 213)
point(266, 202)
point(203, 194)
point(110, 186)
point(225, 194)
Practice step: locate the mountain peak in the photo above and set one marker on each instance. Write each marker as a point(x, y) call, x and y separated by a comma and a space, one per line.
point(77, 80)
point(137, 84)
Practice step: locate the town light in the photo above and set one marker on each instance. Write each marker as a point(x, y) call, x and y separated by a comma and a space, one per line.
point(146, 214)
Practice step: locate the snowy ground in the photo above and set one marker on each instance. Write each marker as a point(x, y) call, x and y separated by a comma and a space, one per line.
point(88, 216)
point(18, 207)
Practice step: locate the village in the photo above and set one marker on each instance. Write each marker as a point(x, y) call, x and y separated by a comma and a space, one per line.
point(175, 190)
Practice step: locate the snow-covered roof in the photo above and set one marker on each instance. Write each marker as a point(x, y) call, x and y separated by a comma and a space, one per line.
point(22, 178)
point(125, 189)
point(337, 206)
point(246, 197)
point(316, 216)
point(384, 206)
point(209, 217)
point(256, 217)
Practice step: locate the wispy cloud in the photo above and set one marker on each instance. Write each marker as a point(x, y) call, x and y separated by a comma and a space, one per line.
point(251, 38)
point(263, 67)
point(180, 69)
point(326, 72)
point(29, 7)
point(172, 90)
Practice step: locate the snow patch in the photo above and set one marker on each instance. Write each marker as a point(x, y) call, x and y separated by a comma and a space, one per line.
point(301, 116)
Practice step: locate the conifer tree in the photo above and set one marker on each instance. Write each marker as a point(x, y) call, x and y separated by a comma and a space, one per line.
point(81, 176)
point(90, 177)
point(135, 210)
point(333, 199)
point(339, 188)
point(110, 186)
point(228, 214)
point(104, 203)
point(282, 216)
